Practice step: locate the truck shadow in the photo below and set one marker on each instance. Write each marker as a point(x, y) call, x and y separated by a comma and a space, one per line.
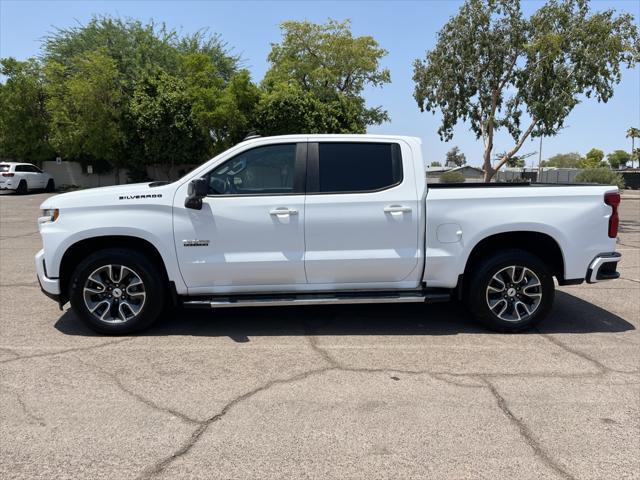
point(569, 315)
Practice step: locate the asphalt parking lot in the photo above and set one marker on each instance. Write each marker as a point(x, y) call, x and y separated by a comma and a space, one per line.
point(393, 391)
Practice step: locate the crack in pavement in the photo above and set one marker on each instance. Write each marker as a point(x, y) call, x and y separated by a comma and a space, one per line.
point(523, 429)
point(163, 463)
point(9, 351)
point(526, 433)
point(146, 401)
point(23, 406)
point(334, 365)
point(62, 352)
point(630, 279)
point(599, 365)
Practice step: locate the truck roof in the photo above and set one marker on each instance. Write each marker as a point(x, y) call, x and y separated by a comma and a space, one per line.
point(336, 136)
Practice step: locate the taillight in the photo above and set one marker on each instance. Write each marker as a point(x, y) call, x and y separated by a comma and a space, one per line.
point(613, 200)
point(5, 174)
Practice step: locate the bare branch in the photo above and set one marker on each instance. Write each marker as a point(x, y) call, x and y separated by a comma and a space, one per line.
point(515, 149)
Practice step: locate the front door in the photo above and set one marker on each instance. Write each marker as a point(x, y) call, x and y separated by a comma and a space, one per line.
point(250, 230)
point(362, 215)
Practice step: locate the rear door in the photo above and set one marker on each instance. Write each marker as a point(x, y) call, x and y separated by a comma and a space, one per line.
point(22, 173)
point(362, 218)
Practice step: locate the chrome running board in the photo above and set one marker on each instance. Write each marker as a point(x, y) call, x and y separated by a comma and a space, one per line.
point(315, 299)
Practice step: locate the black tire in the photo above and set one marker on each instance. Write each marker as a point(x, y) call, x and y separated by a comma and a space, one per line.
point(51, 186)
point(152, 284)
point(22, 188)
point(478, 294)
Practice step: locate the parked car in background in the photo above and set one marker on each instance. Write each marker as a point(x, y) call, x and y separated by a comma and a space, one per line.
point(23, 177)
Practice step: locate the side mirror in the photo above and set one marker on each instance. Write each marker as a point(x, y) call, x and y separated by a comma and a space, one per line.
point(198, 189)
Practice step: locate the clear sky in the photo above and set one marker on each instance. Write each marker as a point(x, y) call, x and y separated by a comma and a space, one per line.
point(405, 28)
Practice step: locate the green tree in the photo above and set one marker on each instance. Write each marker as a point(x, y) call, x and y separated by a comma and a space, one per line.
point(132, 59)
point(495, 68)
point(563, 160)
point(593, 159)
point(84, 103)
point(162, 114)
point(455, 158)
point(436, 164)
point(321, 69)
point(23, 118)
point(618, 158)
point(223, 110)
point(635, 156)
point(634, 133)
point(600, 175)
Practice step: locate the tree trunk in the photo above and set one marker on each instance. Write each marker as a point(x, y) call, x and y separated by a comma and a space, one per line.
point(489, 173)
point(487, 168)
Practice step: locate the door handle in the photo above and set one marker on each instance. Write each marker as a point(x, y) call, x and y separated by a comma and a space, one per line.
point(396, 209)
point(283, 211)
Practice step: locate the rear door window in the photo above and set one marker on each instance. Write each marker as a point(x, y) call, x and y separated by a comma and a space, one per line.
point(358, 167)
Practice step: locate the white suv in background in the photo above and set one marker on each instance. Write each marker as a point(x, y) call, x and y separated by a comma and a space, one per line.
point(23, 177)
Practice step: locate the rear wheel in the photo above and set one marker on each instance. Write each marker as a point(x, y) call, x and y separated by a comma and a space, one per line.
point(510, 291)
point(117, 291)
point(51, 186)
point(22, 187)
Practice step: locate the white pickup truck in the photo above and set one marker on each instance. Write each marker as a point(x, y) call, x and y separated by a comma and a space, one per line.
point(316, 219)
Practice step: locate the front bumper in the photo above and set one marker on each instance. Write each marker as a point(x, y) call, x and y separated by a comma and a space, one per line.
point(603, 267)
point(50, 286)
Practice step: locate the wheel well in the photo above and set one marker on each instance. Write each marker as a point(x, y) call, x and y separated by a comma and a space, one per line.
point(539, 244)
point(80, 250)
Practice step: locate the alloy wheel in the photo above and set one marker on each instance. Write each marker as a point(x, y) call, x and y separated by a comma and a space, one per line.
point(114, 293)
point(514, 293)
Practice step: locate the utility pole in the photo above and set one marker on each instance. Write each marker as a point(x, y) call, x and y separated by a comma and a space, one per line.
point(540, 160)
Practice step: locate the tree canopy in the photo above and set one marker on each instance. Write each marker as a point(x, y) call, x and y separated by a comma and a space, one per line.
point(593, 159)
point(618, 158)
point(494, 68)
point(563, 160)
point(316, 80)
point(24, 123)
point(118, 93)
point(455, 158)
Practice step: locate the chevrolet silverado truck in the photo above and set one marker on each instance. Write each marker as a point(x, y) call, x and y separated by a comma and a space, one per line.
point(322, 219)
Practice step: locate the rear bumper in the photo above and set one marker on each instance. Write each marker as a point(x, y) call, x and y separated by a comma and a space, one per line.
point(603, 267)
point(50, 286)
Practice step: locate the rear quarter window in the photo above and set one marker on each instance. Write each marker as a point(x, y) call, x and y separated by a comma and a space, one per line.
point(4, 167)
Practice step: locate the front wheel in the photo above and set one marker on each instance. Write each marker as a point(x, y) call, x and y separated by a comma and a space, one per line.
point(117, 291)
point(510, 291)
point(51, 186)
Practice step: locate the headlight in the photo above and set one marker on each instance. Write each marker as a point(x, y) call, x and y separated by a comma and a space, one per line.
point(49, 215)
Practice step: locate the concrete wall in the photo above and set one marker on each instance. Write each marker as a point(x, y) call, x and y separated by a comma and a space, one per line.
point(70, 173)
point(558, 175)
